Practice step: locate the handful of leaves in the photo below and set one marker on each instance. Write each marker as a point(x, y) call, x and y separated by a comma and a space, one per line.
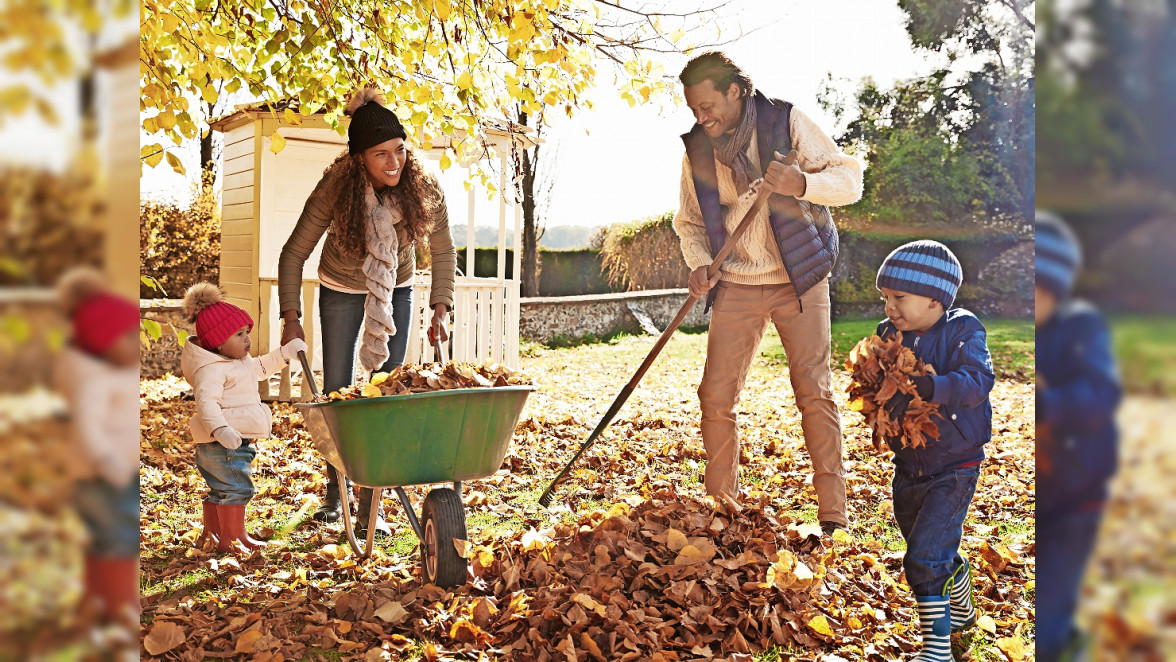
point(882, 369)
point(408, 379)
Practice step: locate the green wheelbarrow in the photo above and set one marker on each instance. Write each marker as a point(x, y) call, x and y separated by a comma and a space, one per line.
point(419, 439)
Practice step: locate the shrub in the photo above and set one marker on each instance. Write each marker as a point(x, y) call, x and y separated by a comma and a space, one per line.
point(48, 224)
point(644, 255)
point(180, 246)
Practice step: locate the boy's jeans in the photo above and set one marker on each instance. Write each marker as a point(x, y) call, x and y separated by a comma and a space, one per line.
point(111, 515)
point(930, 511)
point(1064, 544)
point(227, 472)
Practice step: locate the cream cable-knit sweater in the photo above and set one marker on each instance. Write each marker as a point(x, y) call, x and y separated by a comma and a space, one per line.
point(833, 179)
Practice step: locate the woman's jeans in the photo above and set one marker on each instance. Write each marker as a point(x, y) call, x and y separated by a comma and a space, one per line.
point(341, 318)
point(930, 511)
point(111, 515)
point(227, 472)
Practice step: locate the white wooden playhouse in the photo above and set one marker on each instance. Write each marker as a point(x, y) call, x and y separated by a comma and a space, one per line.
point(262, 197)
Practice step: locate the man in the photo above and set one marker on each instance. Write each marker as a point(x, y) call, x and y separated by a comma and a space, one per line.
point(778, 271)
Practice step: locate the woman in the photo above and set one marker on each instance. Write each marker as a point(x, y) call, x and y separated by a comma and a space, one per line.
point(374, 203)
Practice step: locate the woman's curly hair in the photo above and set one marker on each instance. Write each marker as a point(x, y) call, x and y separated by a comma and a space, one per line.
point(417, 195)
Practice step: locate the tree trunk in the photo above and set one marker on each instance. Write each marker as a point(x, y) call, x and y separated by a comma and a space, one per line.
point(530, 258)
point(206, 164)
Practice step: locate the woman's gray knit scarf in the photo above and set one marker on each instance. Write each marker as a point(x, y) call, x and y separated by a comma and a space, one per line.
point(731, 150)
point(380, 269)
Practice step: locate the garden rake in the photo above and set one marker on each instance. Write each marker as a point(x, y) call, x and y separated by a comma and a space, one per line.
point(761, 197)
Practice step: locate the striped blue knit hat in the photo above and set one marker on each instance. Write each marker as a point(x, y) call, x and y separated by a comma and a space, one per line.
point(924, 267)
point(1058, 255)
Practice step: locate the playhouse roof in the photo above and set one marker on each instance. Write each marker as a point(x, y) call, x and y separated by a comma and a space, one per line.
point(495, 128)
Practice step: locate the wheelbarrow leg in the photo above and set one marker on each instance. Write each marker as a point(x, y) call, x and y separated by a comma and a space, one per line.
point(377, 492)
point(457, 487)
point(345, 497)
point(408, 511)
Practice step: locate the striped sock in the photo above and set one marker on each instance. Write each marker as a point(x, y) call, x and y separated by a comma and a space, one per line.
point(935, 622)
point(963, 609)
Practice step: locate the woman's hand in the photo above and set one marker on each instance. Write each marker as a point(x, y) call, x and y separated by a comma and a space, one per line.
point(292, 328)
point(437, 326)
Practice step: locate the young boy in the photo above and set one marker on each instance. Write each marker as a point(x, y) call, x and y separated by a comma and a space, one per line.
point(1077, 393)
point(933, 485)
point(229, 411)
point(98, 375)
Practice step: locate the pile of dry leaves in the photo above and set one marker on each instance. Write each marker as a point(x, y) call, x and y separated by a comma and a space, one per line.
point(673, 578)
point(408, 379)
point(650, 570)
point(881, 370)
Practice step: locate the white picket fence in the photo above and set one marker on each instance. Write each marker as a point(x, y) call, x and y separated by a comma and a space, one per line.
point(484, 329)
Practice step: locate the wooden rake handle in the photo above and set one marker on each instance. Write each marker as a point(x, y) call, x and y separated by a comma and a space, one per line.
point(761, 198)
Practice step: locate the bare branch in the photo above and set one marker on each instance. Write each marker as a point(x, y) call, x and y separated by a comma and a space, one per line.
point(1012, 4)
point(697, 12)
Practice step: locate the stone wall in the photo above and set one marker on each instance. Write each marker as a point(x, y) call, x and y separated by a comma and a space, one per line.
point(997, 282)
point(545, 318)
point(163, 356)
point(31, 332)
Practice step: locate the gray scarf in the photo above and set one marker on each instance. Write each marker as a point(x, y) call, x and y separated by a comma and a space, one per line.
point(731, 150)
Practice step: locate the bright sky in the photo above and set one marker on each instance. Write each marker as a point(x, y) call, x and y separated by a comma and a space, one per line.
point(617, 163)
point(28, 139)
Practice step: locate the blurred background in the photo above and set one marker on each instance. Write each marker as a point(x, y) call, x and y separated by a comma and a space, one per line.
point(1106, 163)
point(68, 197)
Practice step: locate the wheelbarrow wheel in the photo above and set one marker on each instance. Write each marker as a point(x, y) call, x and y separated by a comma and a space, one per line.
point(442, 520)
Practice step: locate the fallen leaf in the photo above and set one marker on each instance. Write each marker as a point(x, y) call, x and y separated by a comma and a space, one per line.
point(246, 641)
point(1012, 647)
point(164, 636)
point(462, 547)
point(533, 540)
point(586, 601)
point(675, 540)
point(392, 612)
point(590, 646)
point(691, 555)
point(820, 625)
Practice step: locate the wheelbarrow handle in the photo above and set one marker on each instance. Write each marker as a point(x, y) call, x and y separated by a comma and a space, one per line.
point(308, 375)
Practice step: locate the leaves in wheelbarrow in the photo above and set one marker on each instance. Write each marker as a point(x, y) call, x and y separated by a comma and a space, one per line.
point(408, 379)
point(881, 370)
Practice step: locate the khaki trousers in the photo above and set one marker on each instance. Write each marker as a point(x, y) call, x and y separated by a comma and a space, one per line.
point(738, 322)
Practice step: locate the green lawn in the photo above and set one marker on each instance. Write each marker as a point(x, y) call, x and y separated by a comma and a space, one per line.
point(1145, 346)
point(1009, 340)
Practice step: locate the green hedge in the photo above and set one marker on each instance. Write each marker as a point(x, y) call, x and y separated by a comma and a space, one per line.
point(561, 273)
point(853, 286)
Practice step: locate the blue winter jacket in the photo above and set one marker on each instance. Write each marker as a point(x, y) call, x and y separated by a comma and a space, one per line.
point(1079, 401)
point(957, 347)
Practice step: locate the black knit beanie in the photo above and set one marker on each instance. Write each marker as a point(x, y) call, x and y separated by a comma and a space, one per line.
point(371, 123)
